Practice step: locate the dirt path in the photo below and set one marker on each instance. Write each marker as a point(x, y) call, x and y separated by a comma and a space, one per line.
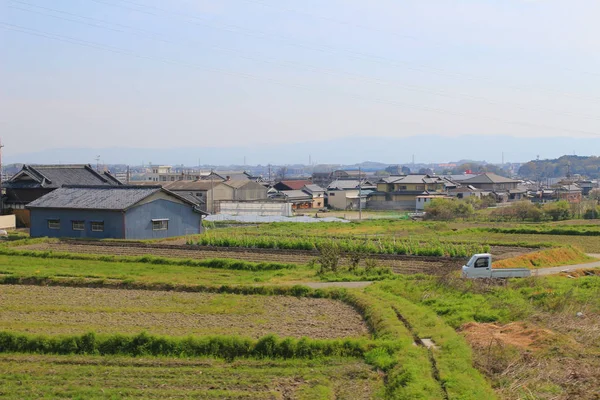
point(557, 270)
point(347, 285)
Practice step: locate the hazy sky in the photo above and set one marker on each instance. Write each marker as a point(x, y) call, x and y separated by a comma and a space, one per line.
point(176, 73)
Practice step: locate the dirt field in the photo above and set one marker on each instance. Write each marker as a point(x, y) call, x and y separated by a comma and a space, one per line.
point(55, 310)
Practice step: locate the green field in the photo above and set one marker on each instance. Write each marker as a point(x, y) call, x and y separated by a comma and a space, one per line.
point(94, 377)
point(185, 328)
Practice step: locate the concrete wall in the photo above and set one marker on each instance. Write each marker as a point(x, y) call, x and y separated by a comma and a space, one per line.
point(251, 191)
point(219, 192)
point(8, 222)
point(391, 205)
point(113, 223)
point(256, 208)
point(182, 220)
point(336, 199)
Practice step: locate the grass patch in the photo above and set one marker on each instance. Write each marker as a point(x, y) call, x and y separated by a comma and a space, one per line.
point(96, 377)
point(99, 268)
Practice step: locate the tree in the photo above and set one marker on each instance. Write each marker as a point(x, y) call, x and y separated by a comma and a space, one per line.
point(558, 211)
point(448, 209)
point(594, 195)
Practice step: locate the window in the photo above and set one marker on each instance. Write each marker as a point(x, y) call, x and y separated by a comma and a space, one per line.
point(54, 224)
point(160, 224)
point(78, 225)
point(401, 187)
point(332, 194)
point(481, 263)
point(97, 226)
point(198, 194)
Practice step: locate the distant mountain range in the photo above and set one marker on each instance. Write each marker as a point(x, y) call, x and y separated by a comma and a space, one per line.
point(382, 150)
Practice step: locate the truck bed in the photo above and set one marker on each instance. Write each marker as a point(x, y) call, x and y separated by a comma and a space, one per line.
point(510, 272)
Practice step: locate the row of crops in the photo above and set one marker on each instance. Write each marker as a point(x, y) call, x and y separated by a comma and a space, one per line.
point(349, 245)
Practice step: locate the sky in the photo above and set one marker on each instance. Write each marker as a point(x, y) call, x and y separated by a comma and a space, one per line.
point(150, 74)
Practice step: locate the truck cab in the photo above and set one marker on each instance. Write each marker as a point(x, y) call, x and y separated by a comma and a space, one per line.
point(479, 266)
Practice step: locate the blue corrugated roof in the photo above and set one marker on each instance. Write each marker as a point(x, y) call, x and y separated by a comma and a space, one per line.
point(94, 197)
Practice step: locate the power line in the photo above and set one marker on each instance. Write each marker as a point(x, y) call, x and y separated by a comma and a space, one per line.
point(159, 37)
point(370, 28)
point(193, 19)
point(113, 49)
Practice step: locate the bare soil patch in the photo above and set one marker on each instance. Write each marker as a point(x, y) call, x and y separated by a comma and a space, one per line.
point(526, 360)
point(503, 252)
point(516, 334)
point(55, 310)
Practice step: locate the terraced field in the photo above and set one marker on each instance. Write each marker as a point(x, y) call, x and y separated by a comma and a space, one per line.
point(400, 264)
point(64, 310)
point(89, 377)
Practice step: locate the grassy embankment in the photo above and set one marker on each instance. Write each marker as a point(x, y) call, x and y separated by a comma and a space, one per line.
point(546, 351)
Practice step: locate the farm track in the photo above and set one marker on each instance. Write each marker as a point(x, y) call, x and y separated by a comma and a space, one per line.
point(399, 263)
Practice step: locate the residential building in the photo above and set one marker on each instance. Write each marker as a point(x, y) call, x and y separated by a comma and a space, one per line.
point(299, 199)
point(399, 192)
point(347, 199)
point(569, 192)
point(35, 181)
point(117, 212)
point(491, 182)
point(296, 184)
point(317, 193)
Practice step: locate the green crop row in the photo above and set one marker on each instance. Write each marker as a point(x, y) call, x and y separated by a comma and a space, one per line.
point(349, 245)
point(531, 230)
point(227, 347)
point(218, 263)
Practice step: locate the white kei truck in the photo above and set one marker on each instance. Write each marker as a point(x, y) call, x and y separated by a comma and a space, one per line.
point(480, 266)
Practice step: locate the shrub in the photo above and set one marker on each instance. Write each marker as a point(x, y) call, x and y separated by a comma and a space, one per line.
point(558, 211)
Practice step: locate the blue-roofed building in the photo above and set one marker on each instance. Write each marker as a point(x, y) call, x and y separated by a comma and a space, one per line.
point(116, 212)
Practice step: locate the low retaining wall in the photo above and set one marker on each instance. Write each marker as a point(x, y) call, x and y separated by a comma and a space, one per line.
point(8, 222)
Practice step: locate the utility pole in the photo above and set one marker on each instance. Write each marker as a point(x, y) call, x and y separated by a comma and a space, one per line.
point(212, 192)
point(1, 196)
point(359, 195)
point(97, 163)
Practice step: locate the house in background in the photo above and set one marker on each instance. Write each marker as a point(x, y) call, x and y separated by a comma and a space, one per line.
point(300, 199)
point(296, 184)
point(348, 194)
point(209, 193)
point(117, 212)
point(569, 192)
point(317, 193)
point(400, 192)
point(35, 181)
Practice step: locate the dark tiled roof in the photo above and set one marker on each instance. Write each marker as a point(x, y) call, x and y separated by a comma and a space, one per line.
point(292, 184)
point(115, 198)
point(55, 176)
point(488, 177)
